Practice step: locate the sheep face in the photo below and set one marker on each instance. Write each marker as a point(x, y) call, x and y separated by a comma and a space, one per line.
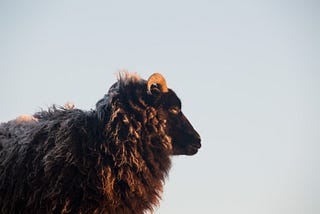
point(185, 139)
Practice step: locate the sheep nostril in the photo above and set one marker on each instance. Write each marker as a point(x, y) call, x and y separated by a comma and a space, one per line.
point(196, 143)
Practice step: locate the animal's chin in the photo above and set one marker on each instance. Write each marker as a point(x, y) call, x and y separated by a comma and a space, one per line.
point(191, 150)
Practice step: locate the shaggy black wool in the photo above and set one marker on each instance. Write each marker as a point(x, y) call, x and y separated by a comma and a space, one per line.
point(113, 159)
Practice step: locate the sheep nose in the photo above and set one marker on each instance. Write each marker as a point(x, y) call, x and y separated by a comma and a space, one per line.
point(197, 143)
point(196, 139)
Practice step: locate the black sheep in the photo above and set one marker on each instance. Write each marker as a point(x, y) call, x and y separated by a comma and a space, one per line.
point(113, 159)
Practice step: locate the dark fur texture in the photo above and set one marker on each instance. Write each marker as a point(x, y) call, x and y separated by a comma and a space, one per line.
point(113, 159)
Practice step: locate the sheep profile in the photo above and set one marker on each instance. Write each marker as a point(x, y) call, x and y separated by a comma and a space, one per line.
point(113, 159)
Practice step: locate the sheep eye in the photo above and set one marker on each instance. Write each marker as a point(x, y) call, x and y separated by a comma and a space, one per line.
point(174, 110)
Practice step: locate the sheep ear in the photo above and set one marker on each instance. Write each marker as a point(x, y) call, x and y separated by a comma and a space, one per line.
point(156, 84)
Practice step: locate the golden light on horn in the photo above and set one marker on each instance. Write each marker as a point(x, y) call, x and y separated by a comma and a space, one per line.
point(158, 79)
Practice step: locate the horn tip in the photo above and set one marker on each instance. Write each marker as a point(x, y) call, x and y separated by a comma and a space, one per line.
point(157, 78)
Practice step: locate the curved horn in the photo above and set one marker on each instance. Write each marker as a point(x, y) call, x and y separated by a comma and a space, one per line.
point(158, 79)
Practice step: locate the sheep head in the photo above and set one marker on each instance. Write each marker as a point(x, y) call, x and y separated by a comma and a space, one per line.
point(185, 139)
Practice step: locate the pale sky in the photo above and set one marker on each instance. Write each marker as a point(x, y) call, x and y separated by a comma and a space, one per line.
point(247, 72)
